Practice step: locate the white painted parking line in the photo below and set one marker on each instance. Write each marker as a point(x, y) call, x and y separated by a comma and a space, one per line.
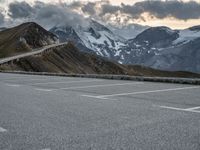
point(46, 149)
point(102, 85)
point(79, 81)
point(3, 79)
point(143, 92)
point(13, 85)
point(180, 109)
point(44, 90)
point(24, 79)
point(90, 96)
point(2, 129)
point(90, 86)
point(193, 108)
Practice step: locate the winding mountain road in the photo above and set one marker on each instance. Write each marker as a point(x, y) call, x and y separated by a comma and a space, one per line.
point(33, 52)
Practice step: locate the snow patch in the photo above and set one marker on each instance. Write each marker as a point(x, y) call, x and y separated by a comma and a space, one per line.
point(2, 129)
point(186, 36)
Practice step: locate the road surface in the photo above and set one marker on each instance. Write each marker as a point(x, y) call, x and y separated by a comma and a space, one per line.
point(62, 113)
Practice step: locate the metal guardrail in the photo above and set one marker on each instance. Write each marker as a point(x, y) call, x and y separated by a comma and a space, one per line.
point(192, 81)
point(34, 52)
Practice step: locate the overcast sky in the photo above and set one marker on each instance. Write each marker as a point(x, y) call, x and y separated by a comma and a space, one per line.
point(115, 2)
point(176, 14)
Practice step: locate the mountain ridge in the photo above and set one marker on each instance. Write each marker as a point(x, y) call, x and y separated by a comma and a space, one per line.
point(156, 47)
point(24, 38)
point(71, 60)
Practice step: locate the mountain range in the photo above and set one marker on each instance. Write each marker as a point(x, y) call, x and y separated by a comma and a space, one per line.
point(97, 49)
point(71, 60)
point(156, 47)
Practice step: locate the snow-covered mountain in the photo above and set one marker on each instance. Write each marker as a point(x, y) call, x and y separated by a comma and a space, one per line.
point(95, 38)
point(156, 47)
point(128, 31)
point(166, 49)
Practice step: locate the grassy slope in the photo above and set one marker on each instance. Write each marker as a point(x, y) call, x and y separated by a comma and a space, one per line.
point(71, 60)
point(10, 43)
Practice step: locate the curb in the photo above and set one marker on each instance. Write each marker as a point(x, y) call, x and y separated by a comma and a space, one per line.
point(192, 81)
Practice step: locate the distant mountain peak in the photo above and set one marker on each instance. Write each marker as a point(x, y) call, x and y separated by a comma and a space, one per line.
point(99, 27)
point(95, 37)
point(195, 28)
point(157, 47)
point(157, 35)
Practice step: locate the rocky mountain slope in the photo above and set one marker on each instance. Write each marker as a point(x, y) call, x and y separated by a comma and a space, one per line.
point(23, 38)
point(95, 38)
point(166, 49)
point(156, 47)
point(71, 60)
point(128, 31)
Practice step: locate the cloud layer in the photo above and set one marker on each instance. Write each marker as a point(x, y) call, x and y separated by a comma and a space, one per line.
point(159, 9)
point(20, 10)
point(49, 15)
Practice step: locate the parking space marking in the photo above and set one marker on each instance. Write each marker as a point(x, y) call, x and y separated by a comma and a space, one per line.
point(5, 79)
point(79, 81)
point(143, 92)
point(13, 85)
point(180, 109)
point(102, 85)
point(193, 108)
point(90, 86)
point(90, 96)
point(44, 90)
point(2, 129)
point(27, 79)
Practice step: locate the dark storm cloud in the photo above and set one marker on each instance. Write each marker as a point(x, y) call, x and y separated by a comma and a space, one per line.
point(76, 4)
point(20, 10)
point(45, 14)
point(160, 9)
point(48, 15)
point(89, 8)
point(1, 18)
point(56, 15)
point(109, 9)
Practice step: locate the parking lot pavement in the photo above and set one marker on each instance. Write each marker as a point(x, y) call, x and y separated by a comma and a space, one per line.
point(63, 113)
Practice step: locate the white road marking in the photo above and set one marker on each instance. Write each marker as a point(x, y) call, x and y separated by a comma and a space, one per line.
point(180, 109)
point(13, 85)
point(144, 92)
point(193, 108)
point(2, 129)
point(90, 86)
point(83, 87)
point(80, 81)
point(173, 108)
point(103, 85)
point(90, 96)
point(46, 149)
point(25, 79)
point(36, 79)
point(44, 90)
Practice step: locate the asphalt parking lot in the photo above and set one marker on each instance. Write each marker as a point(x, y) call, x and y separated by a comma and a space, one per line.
point(63, 113)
